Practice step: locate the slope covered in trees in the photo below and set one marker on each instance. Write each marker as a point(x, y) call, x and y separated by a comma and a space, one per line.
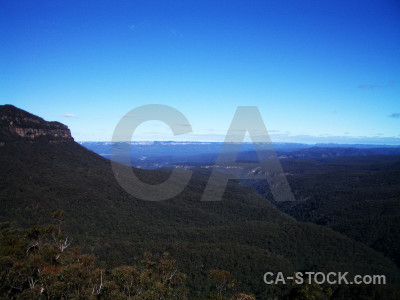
point(38, 264)
point(243, 234)
point(357, 196)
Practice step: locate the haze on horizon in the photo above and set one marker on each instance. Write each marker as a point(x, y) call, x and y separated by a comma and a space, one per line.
point(319, 72)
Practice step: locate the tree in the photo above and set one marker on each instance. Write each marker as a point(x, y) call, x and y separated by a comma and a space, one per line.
point(225, 287)
point(36, 265)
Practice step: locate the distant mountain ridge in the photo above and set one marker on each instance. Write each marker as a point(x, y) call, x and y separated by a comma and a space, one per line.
point(152, 155)
point(17, 124)
point(244, 233)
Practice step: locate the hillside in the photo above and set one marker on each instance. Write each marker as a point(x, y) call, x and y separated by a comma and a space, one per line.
point(357, 196)
point(152, 155)
point(244, 234)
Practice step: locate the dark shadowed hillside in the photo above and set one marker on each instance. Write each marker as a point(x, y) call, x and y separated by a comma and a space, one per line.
point(244, 233)
point(357, 196)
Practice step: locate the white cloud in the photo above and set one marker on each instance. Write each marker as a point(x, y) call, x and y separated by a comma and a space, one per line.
point(69, 115)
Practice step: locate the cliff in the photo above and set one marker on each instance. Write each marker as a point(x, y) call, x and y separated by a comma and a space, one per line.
point(17, 124)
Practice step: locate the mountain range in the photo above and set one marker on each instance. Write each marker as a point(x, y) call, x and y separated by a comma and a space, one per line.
point(43, 169)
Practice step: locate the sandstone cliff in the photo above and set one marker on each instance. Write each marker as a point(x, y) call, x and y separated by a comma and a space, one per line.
point(17, 124)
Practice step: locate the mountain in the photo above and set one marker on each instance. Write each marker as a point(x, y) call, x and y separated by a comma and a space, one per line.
point(357, 196)
point(43, 170)
point(152, 155)
point(322, 152)
point(17, 124)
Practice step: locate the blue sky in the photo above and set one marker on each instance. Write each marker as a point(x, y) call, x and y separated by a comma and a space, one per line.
point(319, 71)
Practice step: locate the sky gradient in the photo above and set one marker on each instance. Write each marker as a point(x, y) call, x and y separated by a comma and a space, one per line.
point(319, 71)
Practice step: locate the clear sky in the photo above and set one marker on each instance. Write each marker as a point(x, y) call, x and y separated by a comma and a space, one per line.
point(319, 71)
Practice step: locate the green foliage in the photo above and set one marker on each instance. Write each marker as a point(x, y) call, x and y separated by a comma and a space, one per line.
point(224, 287)
point(44, 271)
point(356, 196)
point(150, 279)
point(33, 266)
point(308, 291)
point(244, 234)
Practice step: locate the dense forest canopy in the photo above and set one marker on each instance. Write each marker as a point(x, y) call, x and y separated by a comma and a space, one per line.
point(241, 237)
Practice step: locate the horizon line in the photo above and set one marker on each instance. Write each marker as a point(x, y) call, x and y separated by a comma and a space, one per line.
point(216, 142)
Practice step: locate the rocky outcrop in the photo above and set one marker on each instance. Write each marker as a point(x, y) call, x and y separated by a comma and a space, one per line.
point(17, 124)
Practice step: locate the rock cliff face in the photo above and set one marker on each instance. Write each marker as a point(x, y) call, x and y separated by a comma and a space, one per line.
point(17, 124)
